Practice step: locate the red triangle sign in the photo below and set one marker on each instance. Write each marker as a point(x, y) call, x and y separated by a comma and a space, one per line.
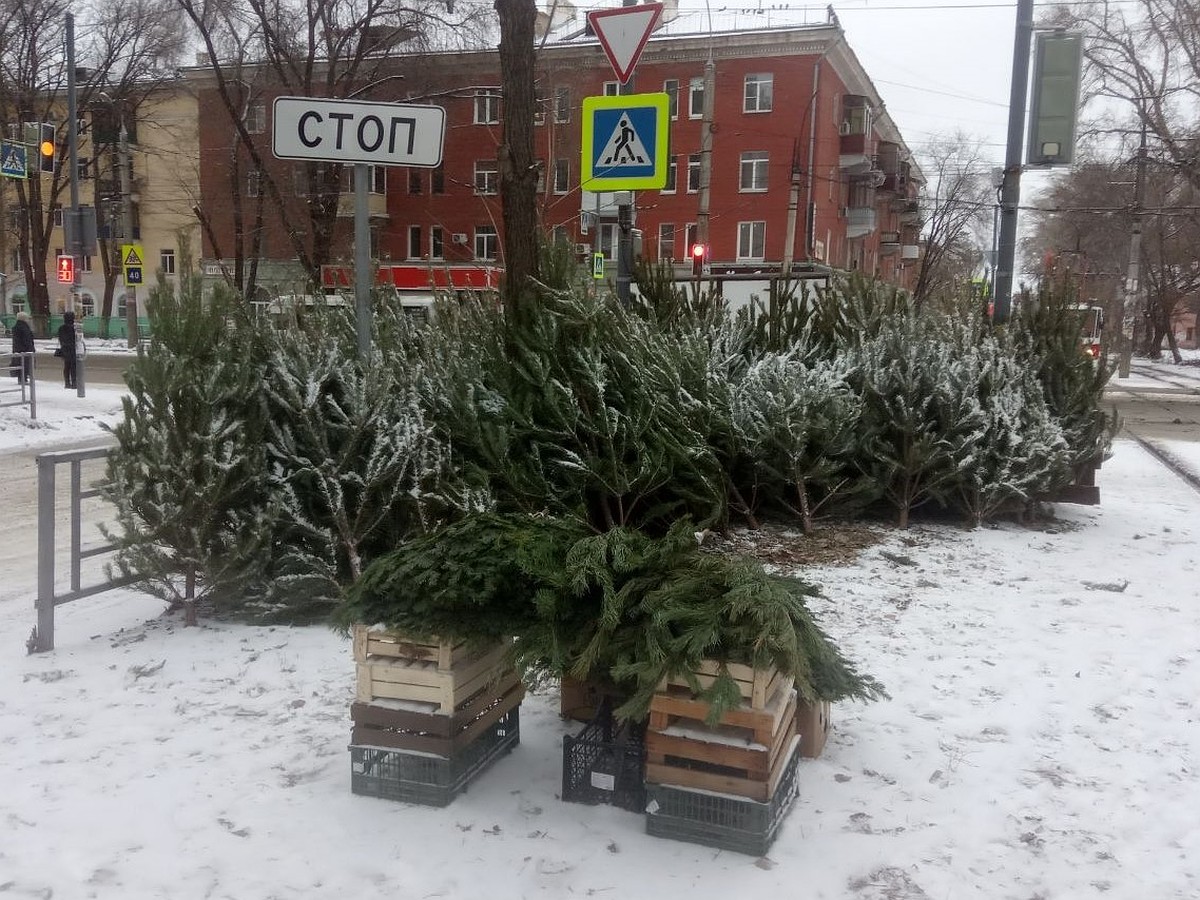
point(623, 33)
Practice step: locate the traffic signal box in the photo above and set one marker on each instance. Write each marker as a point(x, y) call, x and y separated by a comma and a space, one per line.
point(698, 254)
point(46, 150)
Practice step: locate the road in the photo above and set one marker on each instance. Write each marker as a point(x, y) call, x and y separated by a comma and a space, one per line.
point(1157, 405)
point(99, 368)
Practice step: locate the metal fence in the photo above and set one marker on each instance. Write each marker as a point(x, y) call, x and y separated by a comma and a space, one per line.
point(26, 387)
point(48, 597)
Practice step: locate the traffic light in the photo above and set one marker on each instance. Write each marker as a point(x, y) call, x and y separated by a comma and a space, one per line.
point(46, 148)
point(698, 253)
point(66, 270)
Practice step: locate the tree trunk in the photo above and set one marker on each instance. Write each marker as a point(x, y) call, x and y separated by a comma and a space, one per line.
point(189, 593)
point(518, 171)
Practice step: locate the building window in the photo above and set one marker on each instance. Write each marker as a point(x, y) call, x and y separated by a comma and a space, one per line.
point(562, 176)
point(256, 118)
point(300, 181)
point(253, 184)
point(672, 174)
point(559, 236)
point(611, 89)
point(487, 176)
point(120, 304)
point(690, 234)
point(438, 181)
point(754, 171)
point(666, 240)
point(539, 111)
point(696, 98)
point(752, 238)
point(487, 242)
point(562, 105)
point(414, 241)
point(487, 107)
point(693, 173)
point(166, 261)
point(436, 243)
point(87, 305)
point(85, 264)
point(671, 89)
point(17, 263)
point(85, 169)
point(414, 181)
point(58, 216)
point(757, 96)
point(378, 179)
point(608, 240)
point(540, 165)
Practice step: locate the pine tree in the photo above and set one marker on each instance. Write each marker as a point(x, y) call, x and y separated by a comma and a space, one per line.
point(187, 474)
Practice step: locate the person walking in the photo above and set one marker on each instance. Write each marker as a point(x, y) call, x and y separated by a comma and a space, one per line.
point(22, 342)
point(66, 348)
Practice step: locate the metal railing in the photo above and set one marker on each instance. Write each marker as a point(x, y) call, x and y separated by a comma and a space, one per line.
point(47, 597)
point(26, 386)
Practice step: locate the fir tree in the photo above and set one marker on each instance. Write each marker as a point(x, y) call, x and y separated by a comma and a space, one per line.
point(186, 476)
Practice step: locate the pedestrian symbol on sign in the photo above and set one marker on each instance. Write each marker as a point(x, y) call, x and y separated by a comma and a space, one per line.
point(624, 148)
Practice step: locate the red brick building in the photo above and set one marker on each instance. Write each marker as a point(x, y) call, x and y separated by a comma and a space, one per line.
point(796, 123)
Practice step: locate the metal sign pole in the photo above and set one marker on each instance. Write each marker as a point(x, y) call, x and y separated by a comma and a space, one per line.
point(362, 261)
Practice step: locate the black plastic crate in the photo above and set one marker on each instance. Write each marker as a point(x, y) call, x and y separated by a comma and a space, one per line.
point(427, 779)
point(606, 762)
point(721, 820)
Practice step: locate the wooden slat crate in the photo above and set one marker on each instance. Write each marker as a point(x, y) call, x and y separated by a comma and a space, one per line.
point(812, 724)
point(397, 725)
point(757, 686)
point(445, 674)
point(744, 754)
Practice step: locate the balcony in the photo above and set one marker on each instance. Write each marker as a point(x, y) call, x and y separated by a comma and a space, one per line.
point(889, 242)
point(860, 221)
point(856, 154)
point(376, 205)
point(910, 251)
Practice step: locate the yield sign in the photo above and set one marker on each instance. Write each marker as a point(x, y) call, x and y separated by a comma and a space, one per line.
point(623, 34)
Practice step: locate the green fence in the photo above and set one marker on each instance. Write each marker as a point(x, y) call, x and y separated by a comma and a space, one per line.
point(93, 326)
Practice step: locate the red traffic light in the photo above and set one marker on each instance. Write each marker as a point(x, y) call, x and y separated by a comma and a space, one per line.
point(66, 270)
point(697, 251)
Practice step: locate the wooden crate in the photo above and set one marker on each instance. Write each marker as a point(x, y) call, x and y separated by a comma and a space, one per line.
point(445, 674)
point(812, 724)
point(402, 725)
point(579, 700)
point(757, 686)
point(744, 754)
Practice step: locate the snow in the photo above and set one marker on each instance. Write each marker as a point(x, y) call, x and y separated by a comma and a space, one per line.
point(1041, 740)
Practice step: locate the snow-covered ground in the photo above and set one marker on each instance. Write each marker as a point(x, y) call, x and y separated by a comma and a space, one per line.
point(1041, 741)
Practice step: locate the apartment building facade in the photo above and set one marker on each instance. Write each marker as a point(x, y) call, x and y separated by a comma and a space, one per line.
point(163, 189)
point(802, 148)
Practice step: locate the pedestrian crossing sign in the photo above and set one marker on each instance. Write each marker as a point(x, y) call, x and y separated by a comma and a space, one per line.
point(625, 142)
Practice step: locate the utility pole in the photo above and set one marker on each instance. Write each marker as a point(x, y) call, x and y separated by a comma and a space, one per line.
point(625, 219)
point(75, 236)
point(706, 142)
point(1010, 192)
point(1129, 304)
point(131, 322)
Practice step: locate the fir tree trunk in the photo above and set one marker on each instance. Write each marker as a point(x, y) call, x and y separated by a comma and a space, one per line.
point(806, 521)
point(518, 171)
point(189, 598)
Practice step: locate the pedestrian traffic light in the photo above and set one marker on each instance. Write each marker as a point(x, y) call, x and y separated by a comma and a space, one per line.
point(698, 254)
point(46, 148)
point(66, 270)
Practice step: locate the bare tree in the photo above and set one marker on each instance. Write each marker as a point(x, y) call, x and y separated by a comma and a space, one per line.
point(125, 50)
point(313, 48)
point(518, 169)
point(1081, 231)
point(958, 201)
point(1144, 56)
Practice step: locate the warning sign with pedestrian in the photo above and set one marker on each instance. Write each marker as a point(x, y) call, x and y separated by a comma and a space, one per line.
point(13, 160)
point(625, 142)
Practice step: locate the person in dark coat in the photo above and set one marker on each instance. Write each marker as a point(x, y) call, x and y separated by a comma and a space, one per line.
point(66, 343)
point(22, 342)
